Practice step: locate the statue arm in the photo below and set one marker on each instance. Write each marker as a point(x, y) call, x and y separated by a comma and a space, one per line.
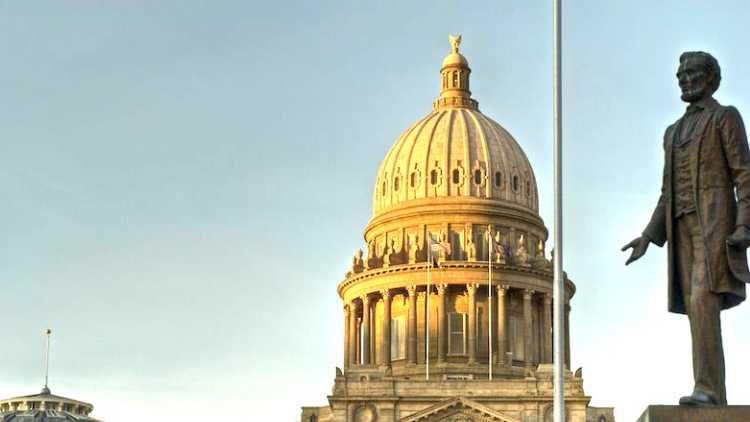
point(656, 230)
point(734, 142)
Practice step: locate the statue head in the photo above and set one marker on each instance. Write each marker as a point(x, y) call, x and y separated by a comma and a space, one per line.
point(699, 76)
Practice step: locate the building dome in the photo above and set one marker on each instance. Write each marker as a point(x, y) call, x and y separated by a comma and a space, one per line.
point(455, 152)
point(454, 296)
point(45, 407)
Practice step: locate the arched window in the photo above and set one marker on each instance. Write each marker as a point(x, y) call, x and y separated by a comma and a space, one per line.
point(396, 183)
point(498, 178)
point(383, 190)
point(515, 183)
point(478, 176)
point(433, 177)
point(455, 79)
point(456, 176)
point(413, 179)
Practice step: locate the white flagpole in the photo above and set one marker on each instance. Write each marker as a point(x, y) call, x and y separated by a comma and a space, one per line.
point(46, 361)
point(558, 333)
point(490, 253)
point(427, 313)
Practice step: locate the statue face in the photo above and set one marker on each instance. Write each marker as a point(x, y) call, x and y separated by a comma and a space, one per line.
point(693, 80)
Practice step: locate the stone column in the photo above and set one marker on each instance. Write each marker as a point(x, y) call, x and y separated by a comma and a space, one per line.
point(386, 327)
point(471, 289)
point(567, 334)
point(411, 345)
point(547, 329)
point(527, 328)
point(353, 339)
point(502, 339)
point(365, 330)
point(346, 336)
point(441, 288)
point(359, 341)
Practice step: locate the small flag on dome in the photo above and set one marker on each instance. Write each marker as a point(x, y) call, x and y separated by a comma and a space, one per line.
point(436, 246)
point(496, 246)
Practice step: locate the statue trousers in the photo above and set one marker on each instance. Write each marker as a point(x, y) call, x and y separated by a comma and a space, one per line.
point(702, 306)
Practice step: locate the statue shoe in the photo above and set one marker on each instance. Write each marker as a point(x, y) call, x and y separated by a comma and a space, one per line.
point(698, 398)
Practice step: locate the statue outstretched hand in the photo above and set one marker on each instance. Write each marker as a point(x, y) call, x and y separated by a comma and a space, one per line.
point(639, 245)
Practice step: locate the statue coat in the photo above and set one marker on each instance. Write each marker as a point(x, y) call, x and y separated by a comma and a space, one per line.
point(719, 167)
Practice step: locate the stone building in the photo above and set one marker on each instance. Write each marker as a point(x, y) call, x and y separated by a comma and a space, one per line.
point(45, 407)
point(459, 177)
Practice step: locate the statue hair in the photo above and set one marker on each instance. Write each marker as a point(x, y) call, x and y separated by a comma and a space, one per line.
point(710, 64)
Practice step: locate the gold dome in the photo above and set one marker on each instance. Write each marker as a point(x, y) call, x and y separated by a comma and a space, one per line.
point(458, 181)
point(455, 59)
point(455, 152)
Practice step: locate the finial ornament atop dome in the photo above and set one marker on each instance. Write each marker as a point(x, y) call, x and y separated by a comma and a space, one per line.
point(455, 42)
point(454, 79)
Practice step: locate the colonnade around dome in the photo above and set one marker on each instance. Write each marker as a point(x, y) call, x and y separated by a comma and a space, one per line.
point(386, 328)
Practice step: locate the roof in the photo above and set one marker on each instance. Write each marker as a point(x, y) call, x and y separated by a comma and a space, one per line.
point(44, 416)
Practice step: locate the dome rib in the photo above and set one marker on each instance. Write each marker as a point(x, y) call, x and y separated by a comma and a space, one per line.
point(427, 154)
point(520, 153)
point(487, 125)
point(409, 166)
point(381, 199)
point(467, 151)
point(486, 153)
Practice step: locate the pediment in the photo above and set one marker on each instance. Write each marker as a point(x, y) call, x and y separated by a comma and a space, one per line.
point(458, 410)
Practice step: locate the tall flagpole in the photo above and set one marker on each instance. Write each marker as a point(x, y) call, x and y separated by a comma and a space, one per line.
point(490, 253)
point(46, 361)
point(558, 333)
point(427, 311)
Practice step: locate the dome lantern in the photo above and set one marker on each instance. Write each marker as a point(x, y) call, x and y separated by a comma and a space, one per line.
point(454, 80)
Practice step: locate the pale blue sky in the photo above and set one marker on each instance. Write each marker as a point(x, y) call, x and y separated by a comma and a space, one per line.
point(184, 183)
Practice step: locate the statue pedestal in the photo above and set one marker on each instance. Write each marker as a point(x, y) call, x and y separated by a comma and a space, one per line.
point(661, 413)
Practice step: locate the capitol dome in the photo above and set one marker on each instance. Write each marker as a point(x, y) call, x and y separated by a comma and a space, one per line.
point(455, 152)
point(453, 298)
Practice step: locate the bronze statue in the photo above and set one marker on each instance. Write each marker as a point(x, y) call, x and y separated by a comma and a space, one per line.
point(703, 214)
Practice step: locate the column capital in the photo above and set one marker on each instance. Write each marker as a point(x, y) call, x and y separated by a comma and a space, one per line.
point(502, 289)
point(411, 290)
point(471, 288)
point(528, 293)
point(441, 288)
point(386, 293)
point(548, 298)
point(365, 298)
point(346, 309)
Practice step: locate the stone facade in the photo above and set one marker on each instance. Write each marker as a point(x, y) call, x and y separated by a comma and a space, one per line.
point(429, 335)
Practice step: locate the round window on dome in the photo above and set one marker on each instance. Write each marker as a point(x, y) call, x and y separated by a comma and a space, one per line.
point(478, 176)
point(515, 183)
point(498, 178)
